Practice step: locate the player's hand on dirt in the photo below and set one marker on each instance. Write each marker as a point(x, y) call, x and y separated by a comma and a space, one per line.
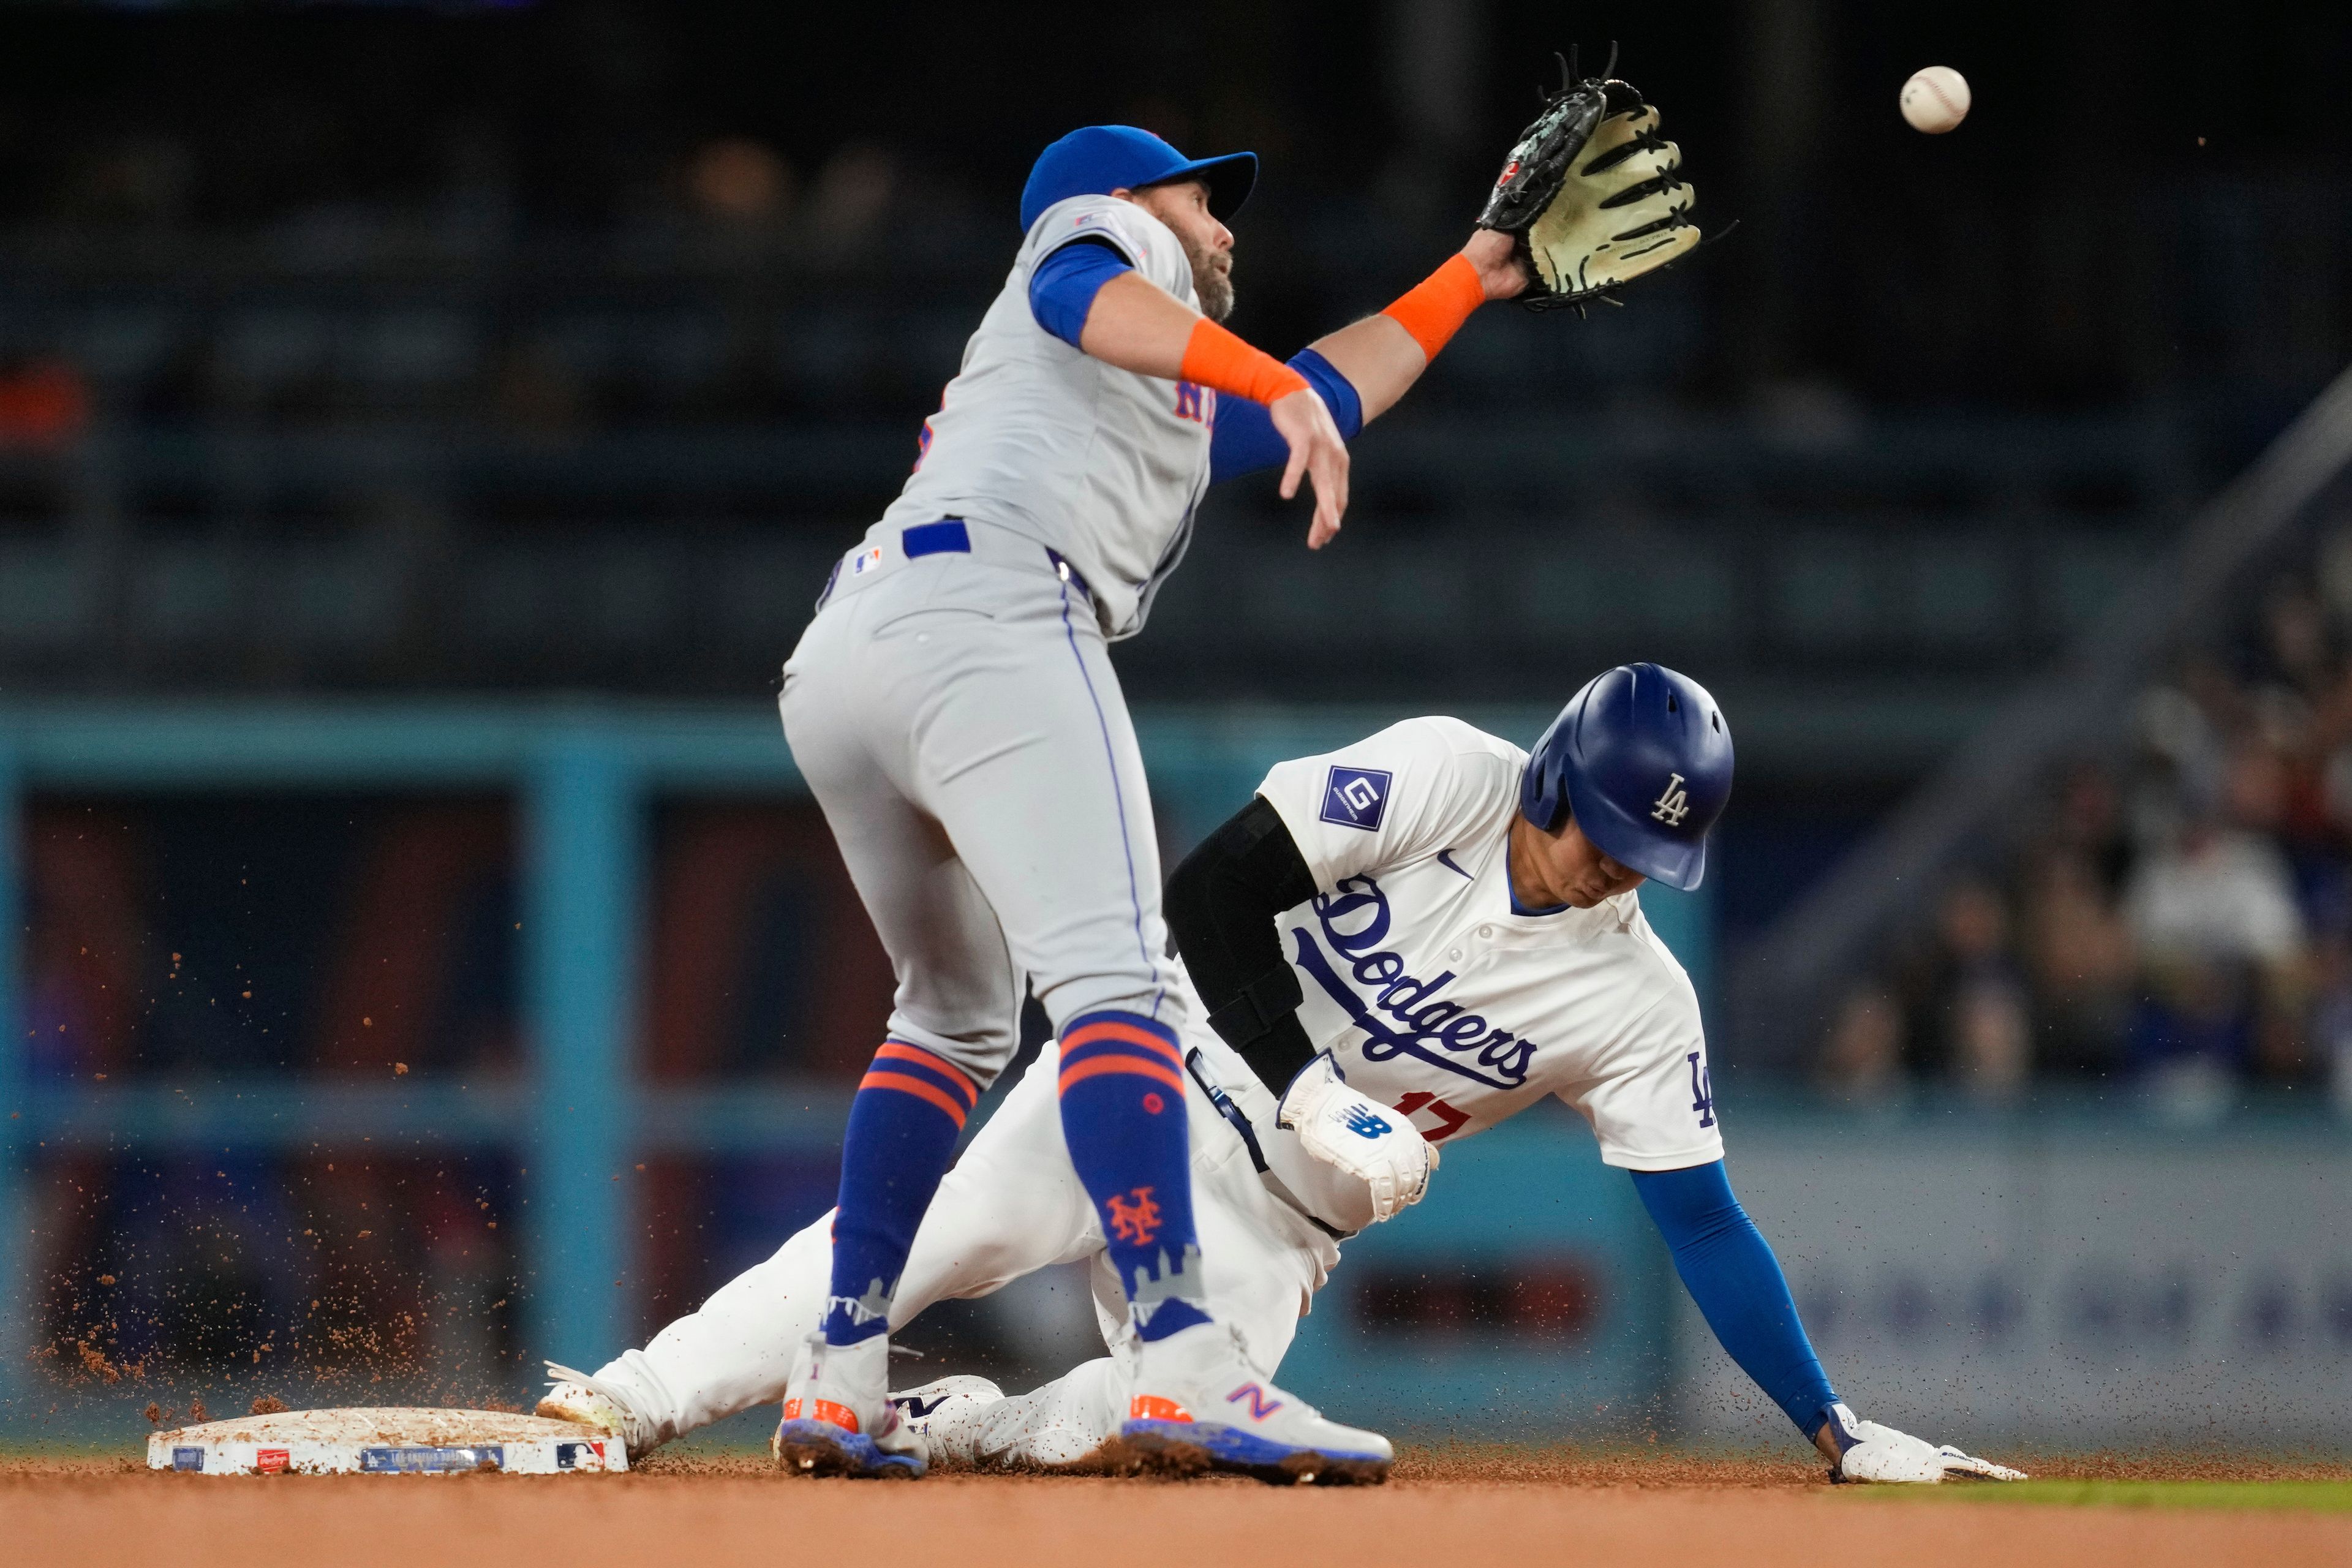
point(1318, 452)
point(1866, 1451)
point(1372, 1143)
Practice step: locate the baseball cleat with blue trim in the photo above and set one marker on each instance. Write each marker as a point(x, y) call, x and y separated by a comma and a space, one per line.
point(942, 1410)
point(1200, 1405)
point(838, 1419)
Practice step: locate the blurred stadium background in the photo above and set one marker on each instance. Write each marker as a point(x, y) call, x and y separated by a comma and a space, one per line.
point(423, 429)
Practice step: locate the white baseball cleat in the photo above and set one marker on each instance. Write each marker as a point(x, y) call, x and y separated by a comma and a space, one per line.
point(969, 1421)
point(592, 1402)
point(1198, 1405)
point(838, 1419)
point(1866, 1451)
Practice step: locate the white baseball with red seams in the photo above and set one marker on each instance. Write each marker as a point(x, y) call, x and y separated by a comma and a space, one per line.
point(1936, 100)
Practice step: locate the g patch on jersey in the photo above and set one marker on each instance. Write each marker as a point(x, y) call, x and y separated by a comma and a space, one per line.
point(1356, 797)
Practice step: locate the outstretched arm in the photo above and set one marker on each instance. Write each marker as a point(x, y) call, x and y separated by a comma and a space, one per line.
point(1087, 295)
point(1383, 355)
point(1730, 1272)
point(1363, 368)
point(1732, 1275)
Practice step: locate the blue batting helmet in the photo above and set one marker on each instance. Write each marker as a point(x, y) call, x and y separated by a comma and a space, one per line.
point(1642, 758)
point(1097, 160)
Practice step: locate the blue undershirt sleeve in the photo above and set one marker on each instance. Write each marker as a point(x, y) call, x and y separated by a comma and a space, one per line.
point(1061, 288)
point(1730, 1272)
point(1246, 439)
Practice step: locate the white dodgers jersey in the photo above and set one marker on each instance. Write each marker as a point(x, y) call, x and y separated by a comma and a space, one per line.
point(1100, 464)
point(1437, 998)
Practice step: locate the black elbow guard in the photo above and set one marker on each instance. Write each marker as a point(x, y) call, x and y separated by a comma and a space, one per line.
point(1220, 904)
point(1260, 1005)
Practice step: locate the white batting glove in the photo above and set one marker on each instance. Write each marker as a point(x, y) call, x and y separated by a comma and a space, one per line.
point(1865, 1451)
point(1367, 1139)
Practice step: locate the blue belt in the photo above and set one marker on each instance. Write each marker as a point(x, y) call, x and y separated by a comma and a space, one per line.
point(949, 536)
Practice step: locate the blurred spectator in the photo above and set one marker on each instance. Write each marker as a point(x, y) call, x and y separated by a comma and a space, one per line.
point(2080, 959)
point(2295, 632)
point(736, 181)
point(1969, 1001)
point(2215, 893)
point(1864, 1055)
point(2221, 939)
point(853, 191)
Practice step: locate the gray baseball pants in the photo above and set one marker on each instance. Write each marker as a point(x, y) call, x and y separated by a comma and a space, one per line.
point(957, 717)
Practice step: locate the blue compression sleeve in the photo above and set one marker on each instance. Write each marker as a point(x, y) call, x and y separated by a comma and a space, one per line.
point(1063, 288)
point(1246, 439)
point(1730, 1272)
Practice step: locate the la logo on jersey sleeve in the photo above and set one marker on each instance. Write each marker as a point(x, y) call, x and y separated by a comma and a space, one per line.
point(1357, 797)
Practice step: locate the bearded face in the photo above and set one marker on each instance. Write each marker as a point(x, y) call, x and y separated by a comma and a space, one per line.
point(1212, 277)
point(1183, 206)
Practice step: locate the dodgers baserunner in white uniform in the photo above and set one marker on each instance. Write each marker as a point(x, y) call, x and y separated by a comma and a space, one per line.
point(1454, 926)
point(953, 708)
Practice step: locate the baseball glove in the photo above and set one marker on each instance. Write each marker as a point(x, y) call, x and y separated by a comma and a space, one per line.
point(1592, 194)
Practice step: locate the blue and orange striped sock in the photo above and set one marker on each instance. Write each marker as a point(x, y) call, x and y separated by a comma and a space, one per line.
point(902, 1133)
point(1123, 1116)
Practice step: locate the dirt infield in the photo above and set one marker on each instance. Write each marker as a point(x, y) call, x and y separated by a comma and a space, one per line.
point(1447, 1506)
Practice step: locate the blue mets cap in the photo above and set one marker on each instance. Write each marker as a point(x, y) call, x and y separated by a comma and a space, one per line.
point(1097, 160)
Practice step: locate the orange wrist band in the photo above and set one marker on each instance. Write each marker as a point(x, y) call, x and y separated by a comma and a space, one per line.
point(1214, 357)
point(1433, 310)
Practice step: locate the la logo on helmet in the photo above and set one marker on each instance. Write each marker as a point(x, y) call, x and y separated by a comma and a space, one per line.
point(1672, 803)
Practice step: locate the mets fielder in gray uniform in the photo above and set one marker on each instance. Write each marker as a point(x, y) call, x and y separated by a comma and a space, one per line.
point(953, 708)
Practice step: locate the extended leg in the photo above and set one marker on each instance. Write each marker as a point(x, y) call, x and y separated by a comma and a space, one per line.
point(1033, 768)
point(951, 1030)
point(1010, 1207)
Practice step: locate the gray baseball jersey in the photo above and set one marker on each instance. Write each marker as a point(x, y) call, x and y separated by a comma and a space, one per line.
point(1100, 464)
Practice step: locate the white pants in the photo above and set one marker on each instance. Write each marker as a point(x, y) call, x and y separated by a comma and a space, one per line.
point(1010, 1207)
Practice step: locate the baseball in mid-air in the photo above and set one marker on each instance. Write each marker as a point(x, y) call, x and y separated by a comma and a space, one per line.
point(1936, 100)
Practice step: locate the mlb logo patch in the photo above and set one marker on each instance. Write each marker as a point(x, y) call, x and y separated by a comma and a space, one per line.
point(1356, 797)
point(865, 560)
